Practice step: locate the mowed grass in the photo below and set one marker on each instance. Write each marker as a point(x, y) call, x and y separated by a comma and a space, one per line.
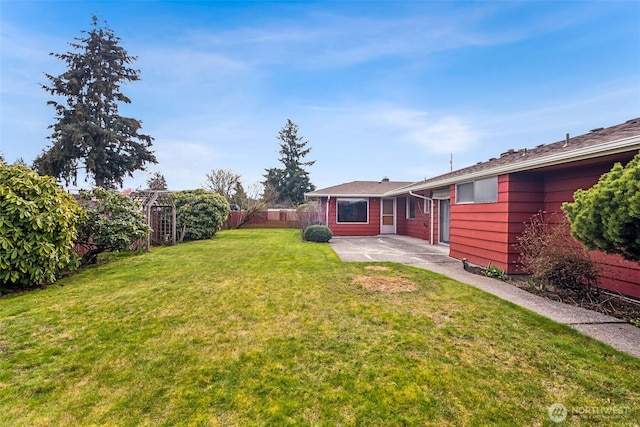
point(255, 327)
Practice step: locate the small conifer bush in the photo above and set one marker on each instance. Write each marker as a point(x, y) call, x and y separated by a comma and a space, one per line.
point(317, 233)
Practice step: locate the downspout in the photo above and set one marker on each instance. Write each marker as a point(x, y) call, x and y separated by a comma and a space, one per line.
point(430, 213)
point(326, 211)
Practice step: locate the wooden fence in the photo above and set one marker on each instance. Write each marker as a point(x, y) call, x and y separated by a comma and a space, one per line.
point(270, 218)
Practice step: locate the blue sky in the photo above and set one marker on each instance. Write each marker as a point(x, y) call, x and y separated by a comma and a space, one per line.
point(378, 88)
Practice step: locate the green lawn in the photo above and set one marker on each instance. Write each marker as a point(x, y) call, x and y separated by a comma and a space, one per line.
point(255, 327)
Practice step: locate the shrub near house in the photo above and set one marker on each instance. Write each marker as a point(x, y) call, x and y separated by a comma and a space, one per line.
point(317, 233)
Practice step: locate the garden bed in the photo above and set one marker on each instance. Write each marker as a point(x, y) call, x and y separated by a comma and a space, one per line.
point(606, 302)
point(602, 301)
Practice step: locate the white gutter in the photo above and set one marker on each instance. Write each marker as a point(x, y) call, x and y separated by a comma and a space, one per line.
point(354, 195)
point(430, 213)
point(599, 150)
point(326, 214)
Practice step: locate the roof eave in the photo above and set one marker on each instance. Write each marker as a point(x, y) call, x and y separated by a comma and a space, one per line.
point(594, 151)
point(307, 195)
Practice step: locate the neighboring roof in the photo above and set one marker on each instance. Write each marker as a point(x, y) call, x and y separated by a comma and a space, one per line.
point(359, 189)
point(598, 142)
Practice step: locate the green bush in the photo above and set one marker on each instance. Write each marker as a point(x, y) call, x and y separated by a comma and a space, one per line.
point(317, 233)
point(199, 213)
point(38, 227)
point(113, 223)
point(606, 217)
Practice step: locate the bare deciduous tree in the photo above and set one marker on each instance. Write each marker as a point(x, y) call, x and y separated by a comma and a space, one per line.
point(223, 182)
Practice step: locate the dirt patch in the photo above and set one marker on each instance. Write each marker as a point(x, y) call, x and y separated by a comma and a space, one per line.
point(385, 284)
point(377, 268)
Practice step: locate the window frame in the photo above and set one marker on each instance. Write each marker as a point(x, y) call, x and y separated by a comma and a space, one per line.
point(408, 207)
point(352, 200)
point(477, 198)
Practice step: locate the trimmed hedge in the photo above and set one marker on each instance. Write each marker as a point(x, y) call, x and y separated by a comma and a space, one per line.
point(317, 233)
point(199, 213)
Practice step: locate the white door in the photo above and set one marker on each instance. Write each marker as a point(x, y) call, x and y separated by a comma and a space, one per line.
point(388, 220)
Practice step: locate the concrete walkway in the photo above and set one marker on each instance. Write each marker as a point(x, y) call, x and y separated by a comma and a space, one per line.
point(418, 253)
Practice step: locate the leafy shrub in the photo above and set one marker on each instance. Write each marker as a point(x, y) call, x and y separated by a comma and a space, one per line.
point(553, 257)
point(317, 233)
point(113, 223)
point(38, 227)
point(495, 272)
point(606, 217)
point(199, 213)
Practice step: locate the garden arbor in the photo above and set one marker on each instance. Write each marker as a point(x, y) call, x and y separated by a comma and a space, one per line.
point(160, 211)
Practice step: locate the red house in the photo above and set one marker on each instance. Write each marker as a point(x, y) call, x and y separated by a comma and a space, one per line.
point(479, 211)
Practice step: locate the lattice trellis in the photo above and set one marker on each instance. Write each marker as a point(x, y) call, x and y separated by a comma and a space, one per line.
point(160, 211)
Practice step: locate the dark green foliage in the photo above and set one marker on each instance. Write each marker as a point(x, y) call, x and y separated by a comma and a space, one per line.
point(317, 233)
point(552, 257)
point(114, 223)
point(291, 182)
point(38, 226)
point(88, 131)
point(240, 197)
point(606, 217)
point(157, 182)
point(199, 213)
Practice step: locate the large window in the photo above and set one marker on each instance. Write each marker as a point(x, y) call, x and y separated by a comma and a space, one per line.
point(480, 191)
point(353, 210)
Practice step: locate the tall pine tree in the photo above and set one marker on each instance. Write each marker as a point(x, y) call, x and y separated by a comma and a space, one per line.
point(89, 132)
point(292, 181)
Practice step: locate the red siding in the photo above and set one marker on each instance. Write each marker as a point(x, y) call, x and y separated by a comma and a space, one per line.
point(526, 197)
point(479, 231)
point(371, 228)
point(560, 185)
point(414, 227)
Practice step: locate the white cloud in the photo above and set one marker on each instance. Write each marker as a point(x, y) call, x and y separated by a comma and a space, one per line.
point(447, 135)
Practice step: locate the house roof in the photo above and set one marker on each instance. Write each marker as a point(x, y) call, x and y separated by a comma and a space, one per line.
point(598, 142)
point(359, 189)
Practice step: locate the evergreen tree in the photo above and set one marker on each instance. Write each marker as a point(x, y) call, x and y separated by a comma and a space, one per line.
point(291, 182)
point(606, 217)
point(156, 182)
point(240, 197)
point(89, 132)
